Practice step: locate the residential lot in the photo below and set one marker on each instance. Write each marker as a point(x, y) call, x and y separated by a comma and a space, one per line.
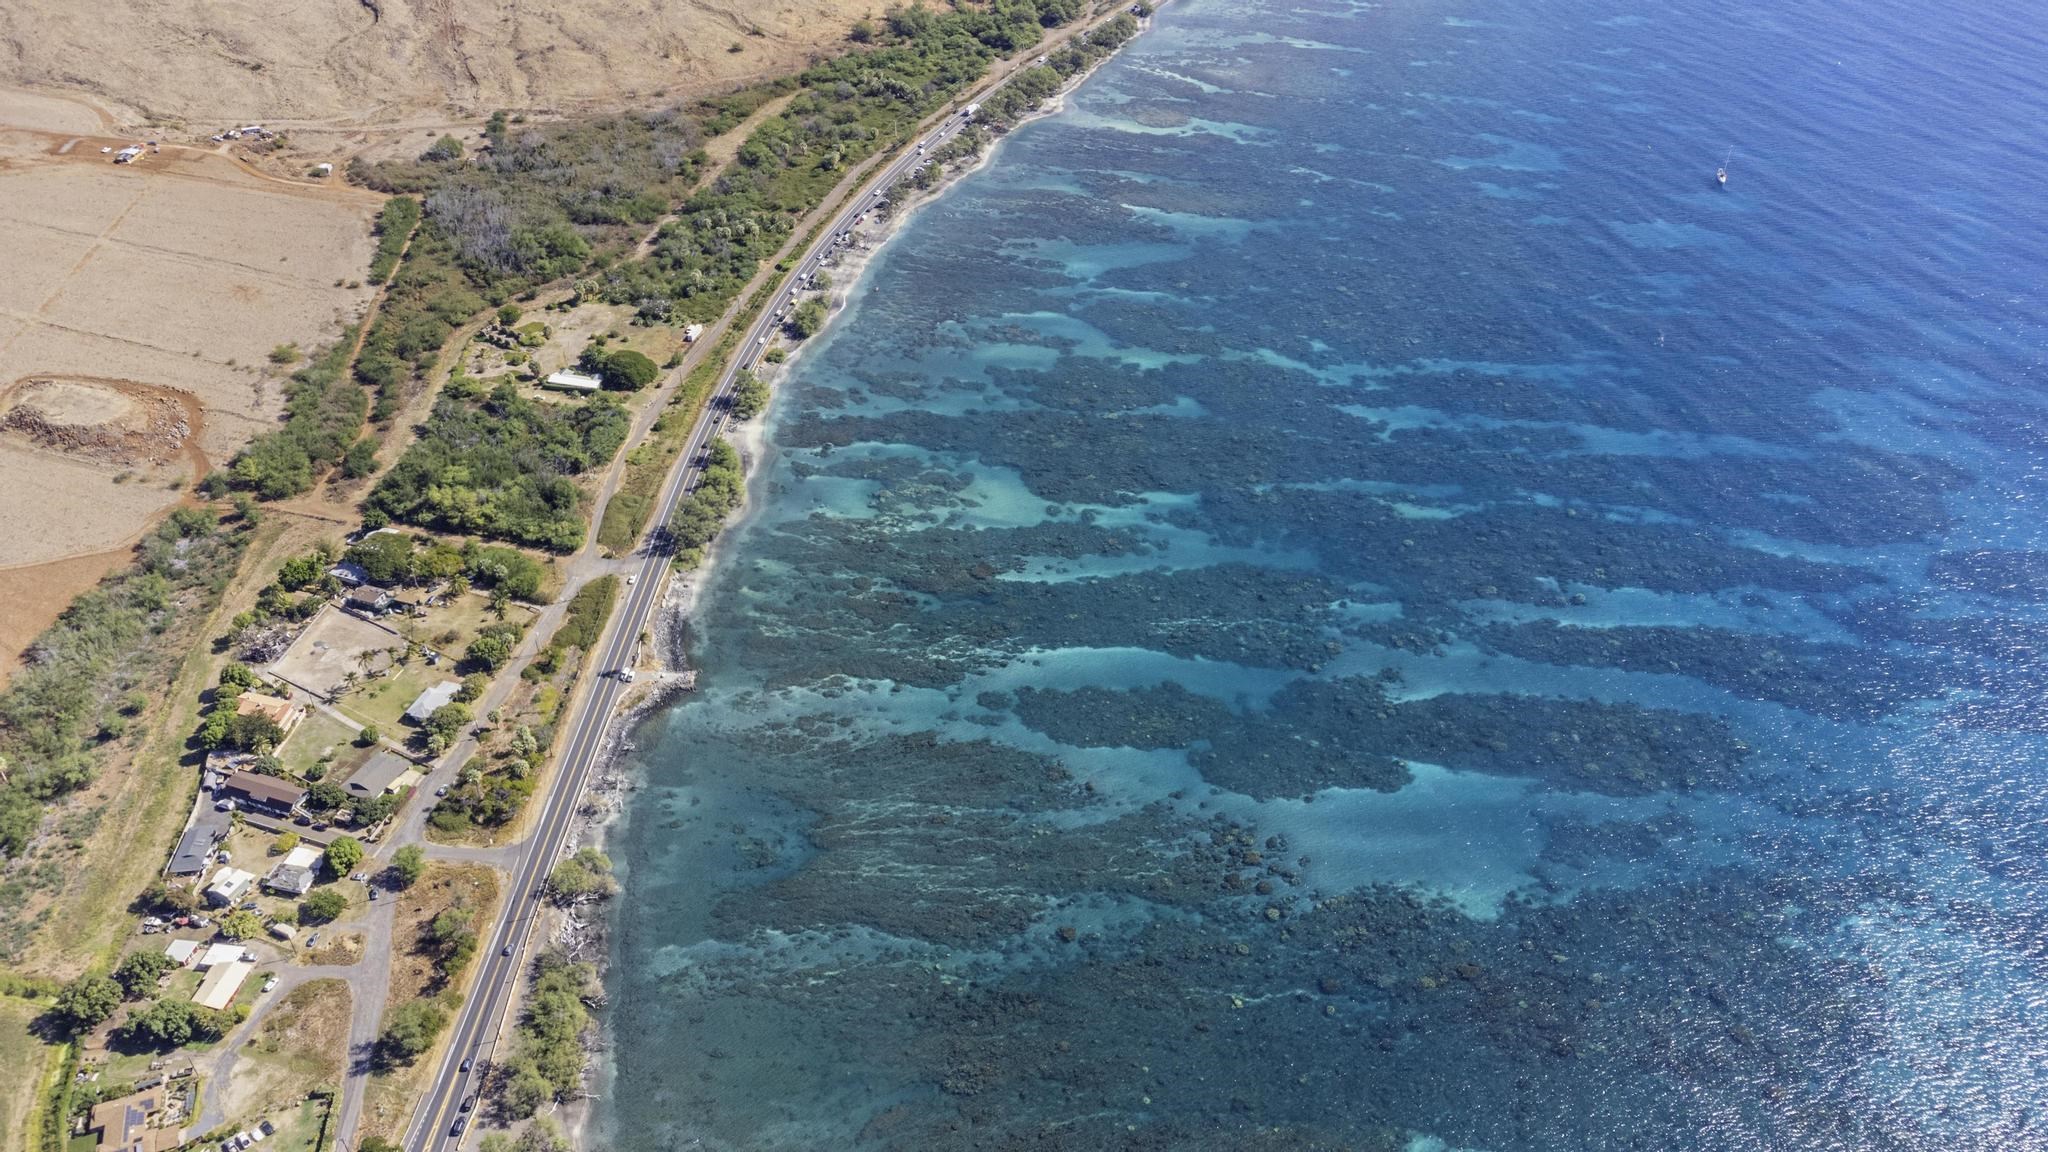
point(334, 646)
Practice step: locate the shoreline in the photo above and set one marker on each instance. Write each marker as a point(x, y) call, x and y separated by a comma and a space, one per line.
point(665, 661)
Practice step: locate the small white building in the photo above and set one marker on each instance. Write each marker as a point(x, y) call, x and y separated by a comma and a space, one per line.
point(283, 931)
point(566, 381)
point(182, 952)
point(229, 886)
point(303, 856)
point(218, 990)
point(219, 954)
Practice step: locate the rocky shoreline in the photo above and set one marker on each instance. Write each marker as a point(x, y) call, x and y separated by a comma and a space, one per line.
point(583, 931)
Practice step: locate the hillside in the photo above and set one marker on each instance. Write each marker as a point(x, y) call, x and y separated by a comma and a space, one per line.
point(205, 61)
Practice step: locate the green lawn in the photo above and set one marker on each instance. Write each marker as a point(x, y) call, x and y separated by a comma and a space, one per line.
point(383, 702)
point(463, 615)
point(315, 736)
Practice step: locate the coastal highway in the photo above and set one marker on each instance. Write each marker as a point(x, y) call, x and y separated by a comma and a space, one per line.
point(477, 1023)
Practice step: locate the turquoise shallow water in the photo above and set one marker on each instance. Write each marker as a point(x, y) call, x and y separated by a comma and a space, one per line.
point(1341, 593)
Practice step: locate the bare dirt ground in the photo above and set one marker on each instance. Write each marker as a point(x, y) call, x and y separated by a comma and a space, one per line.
point(333, 645)
point(136, 320)
point(297, 1047)
point(204, 64)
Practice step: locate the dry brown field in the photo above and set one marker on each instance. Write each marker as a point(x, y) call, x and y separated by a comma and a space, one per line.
point(136, 322)
point(209, 65)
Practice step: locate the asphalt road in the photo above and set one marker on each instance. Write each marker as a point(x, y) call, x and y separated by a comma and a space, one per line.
point(477, 1024)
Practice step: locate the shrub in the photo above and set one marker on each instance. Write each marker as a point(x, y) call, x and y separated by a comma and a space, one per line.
point(342, 855)
point(322, 905)
point(87, 1001)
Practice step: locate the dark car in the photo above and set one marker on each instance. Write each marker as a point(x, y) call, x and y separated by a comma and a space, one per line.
point(468, 1102)
point(461, 1122)
point(507, 951)
point(302, 820)
point(467, 1063)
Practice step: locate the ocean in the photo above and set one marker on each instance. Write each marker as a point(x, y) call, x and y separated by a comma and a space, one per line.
point(1343, 593)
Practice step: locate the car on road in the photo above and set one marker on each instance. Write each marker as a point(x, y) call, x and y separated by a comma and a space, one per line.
point(632, 578)
point(302, 820)
point(507, 951)
point(467, 1062)
point(461, 1122)
point(468, 1102)
point(441, 791)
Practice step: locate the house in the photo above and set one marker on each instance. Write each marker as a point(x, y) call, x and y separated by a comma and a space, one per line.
point(386, 774)
point(369, 600)
point(263, 793)
point(284, 931)
point(423, 706)
point(289, 880)
point(194, 847)
point(219, 954)
point(303, 856)
point(222, 981)
point(228, 887)
point(279, 710)
point(350, 575)
point(182, 952)
point(566, 381)
point(124, 1124)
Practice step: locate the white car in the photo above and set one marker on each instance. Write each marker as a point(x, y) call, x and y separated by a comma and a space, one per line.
point(632, 578)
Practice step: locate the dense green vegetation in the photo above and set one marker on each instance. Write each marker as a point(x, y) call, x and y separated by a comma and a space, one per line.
point(581, 625)
point(323, 413)
point(427, 301)
point(395, 223)
point(720, 491)
point(585, 875)
point(86, 677)
point(322, 905)
point(621, 369)
point(410, 1030)
point(503, 468)
point(547, 1057)
point(749, 396)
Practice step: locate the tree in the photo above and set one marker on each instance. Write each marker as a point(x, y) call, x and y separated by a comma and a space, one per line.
point(447, 722)
point(749, 396)
point(508, 314)
point(385, 557)
point(368, 736)
point(446, 148)
point(473, 686)
point(285, 842)
point(237, 675)
point(322, 905)
point(407, 864)
point(808, 318)
point(138, 971)
point(622, 370)
point(489, 651)
point(343, 855)
point(412, 1029)
point(241, 924)
point(87, 1001)
point(585, 875)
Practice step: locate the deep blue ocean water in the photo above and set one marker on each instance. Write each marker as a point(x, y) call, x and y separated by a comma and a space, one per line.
point(1342, 594)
